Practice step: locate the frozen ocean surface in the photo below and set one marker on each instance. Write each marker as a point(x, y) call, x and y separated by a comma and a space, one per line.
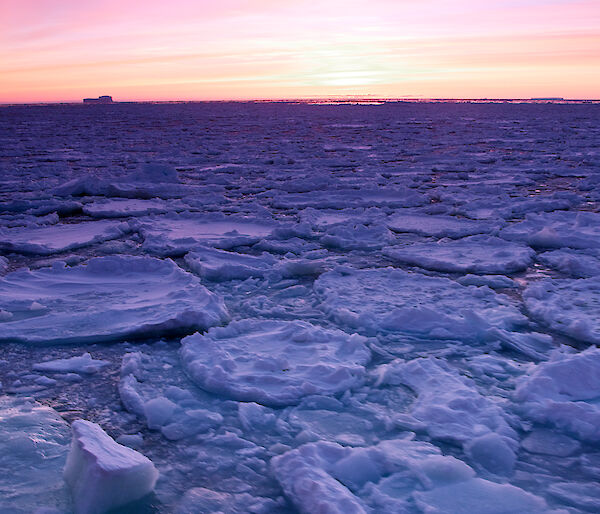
point(279, 308)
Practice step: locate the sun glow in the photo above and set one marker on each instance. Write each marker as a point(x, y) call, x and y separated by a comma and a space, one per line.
point(264, 49)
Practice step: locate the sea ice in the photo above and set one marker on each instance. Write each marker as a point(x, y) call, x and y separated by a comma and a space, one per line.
point(60, 238)
point(274, 362)
point(394, 476)
point(103, 474)
point(389, 300)
point(177, 234)
point(449, 407)
point(82, 364)
point(569, 306)
point(219, 265)
point(562, 392)
point(122, 207)
point(34, 441)
point(475, 254)
point(107, 298)
point(575, 263)
point(557, 229)
point(440, 226)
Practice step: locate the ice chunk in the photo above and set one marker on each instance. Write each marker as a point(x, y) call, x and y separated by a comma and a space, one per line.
point(440, 226)
point(102, 474)
point(60, 238)
point(562, 392)
point(180, 234)
point(274, 362)
point(218, 265)
point(450, 408)
point(475, 254)
point(106, 299)
point(548, 442)
point(120, 207)
point(82, 364)
point(576, 263)
point(34, 442)
point(388, 300)
point(568, 306)
point(479, 496)
point(389, 477)
point(557, 229)
point(200, 500)
point(492, 281)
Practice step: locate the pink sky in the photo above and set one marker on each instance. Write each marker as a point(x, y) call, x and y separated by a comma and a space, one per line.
point(250, 49)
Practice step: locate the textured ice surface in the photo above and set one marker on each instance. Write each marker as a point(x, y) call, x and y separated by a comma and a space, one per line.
point(439, 226)
point(557, 229)
point(275, 362)
point(475, 254)
point(34, 441)
point(103, 474)
point(570, 307)
point(178, 234)
point(258, 203)
point(219, 265)
point(575, 263)
point(60, 238)
point(563, 392)
point(105, 299)
point(121, 207)
point(448, 407)
point(82, 364)
point(388, 300)
point(394, 476)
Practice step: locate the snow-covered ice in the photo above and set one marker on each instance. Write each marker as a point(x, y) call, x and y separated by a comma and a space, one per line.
point(105, 299)
point(275, 362)
point(297, 307)
point(103, 474)
point(391, 300)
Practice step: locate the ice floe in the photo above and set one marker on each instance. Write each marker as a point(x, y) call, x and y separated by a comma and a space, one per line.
point(275, 362)
point(475, 254)
point(569, 306)
point(107, 298)
point(389, 300)
point(60, 238)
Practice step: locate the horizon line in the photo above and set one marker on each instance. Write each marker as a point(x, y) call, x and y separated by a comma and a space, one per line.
point(320, 99)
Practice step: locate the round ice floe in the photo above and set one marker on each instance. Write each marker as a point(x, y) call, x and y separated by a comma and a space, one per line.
point(108, 298)
point(575, 263)
point(34, 442)
point(179, 234)
point(388, 300)
point(567, 306)
point(476, 254)
point(274, 362)
point(60, 238)
point(557, 229)
point(439, 226)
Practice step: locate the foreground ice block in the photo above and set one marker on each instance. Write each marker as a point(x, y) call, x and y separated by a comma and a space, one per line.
point(102, 474)
point(275, 362)
point(387, 300)
point(106, 299)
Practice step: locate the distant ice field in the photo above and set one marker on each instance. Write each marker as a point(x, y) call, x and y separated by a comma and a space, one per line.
point(284, 307)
